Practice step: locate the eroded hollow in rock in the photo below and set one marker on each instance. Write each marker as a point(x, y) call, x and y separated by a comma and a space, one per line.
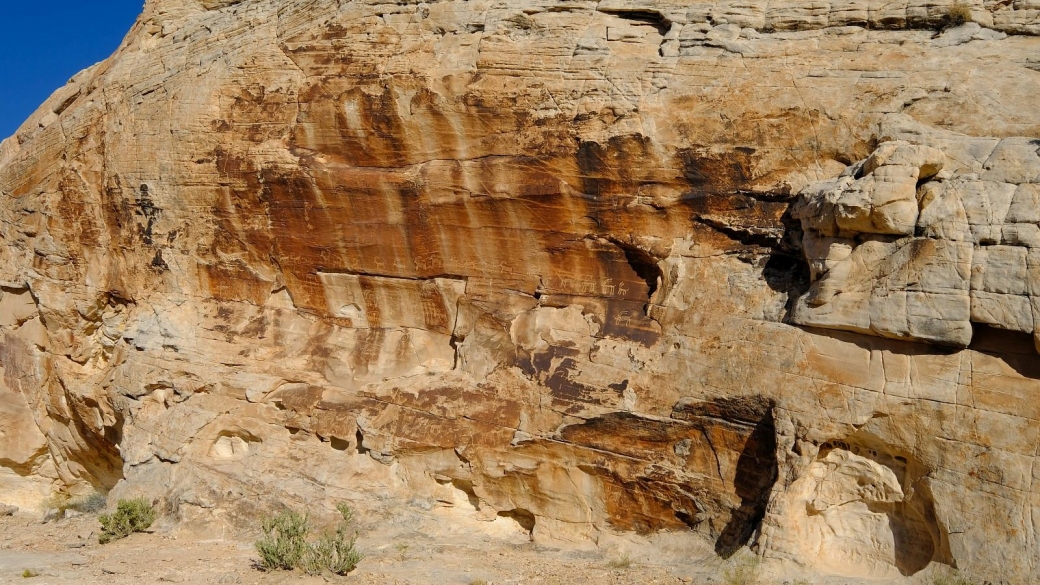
point(868, 511)
point(710, 467)
point(466, 487)
point(339, 444)
point(360, 443)
point(643, 264)
point(755, 470)
point(524, 518)
point(1016, 349)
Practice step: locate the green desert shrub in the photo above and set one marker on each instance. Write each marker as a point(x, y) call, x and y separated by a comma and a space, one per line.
point(286, 545)
point(131, 516)
point(284, 542)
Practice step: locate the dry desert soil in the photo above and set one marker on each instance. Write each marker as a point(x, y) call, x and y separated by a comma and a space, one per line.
point(403, 548)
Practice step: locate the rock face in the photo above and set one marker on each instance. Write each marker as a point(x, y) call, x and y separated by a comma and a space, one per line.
point(899, 250)
point(764, 275)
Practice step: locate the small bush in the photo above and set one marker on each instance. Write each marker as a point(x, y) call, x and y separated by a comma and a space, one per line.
point(29, 574)
point(957, 15)
point(334, 553)
point(91, 504)
point(56, 501)
point(131, 516)
point(284, 542)
point(622, 562)
point(285, 545)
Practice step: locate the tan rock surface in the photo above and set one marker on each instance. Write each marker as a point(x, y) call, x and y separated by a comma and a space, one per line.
point(539, 263)
point(966, 257)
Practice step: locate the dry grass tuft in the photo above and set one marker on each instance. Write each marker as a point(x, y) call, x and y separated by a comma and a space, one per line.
point(622, 562)
point(742, 571)
point(958, 14)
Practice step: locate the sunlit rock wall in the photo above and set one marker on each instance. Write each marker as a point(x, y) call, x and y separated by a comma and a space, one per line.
point(759, 275)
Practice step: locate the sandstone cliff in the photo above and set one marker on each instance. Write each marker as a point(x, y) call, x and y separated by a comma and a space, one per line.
point(762, 273)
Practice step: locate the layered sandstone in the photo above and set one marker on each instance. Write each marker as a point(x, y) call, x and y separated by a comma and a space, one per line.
point(911, 250)
point(760, 273)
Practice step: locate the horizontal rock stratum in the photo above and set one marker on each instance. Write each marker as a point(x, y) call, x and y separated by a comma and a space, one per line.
point(761, 273)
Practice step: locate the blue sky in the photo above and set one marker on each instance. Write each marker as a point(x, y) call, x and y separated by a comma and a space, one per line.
point(43, 44)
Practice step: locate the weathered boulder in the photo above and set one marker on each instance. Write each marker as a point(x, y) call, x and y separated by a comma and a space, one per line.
point(924, 257)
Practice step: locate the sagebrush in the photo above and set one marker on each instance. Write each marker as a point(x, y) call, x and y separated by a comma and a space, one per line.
point(131, 516)
point(286, 545)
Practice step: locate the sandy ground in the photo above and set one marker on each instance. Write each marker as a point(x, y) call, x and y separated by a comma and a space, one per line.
point(408, 549)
